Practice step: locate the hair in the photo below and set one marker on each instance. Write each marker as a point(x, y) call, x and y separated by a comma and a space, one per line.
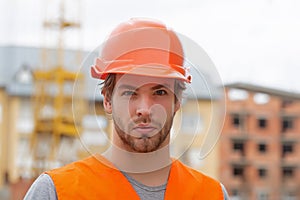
point(109, 83)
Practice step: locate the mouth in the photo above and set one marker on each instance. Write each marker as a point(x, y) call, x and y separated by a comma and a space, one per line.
point(142, 132)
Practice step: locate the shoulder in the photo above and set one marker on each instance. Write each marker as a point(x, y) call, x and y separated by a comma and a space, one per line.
point(84, 171)
point(42, 188)
point(203, 185)
point(194, 174)
point(77, 180)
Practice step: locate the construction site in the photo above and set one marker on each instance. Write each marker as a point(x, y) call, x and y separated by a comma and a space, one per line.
point(51, 114)
point(51, 110)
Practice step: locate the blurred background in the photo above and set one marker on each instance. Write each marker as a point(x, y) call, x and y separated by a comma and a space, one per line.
point(254, 45)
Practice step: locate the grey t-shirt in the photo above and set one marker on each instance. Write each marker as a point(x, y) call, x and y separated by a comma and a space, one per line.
point(147, 192)
point(43, 189)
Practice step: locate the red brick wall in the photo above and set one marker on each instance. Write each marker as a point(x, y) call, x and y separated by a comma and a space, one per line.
point(252, 135)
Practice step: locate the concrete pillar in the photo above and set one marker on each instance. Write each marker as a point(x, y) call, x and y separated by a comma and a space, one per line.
point(12, 139)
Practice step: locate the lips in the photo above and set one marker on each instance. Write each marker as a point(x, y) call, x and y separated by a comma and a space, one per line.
point(142, 131)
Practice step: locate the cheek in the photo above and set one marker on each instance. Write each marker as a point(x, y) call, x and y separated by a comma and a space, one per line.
point(169, 105)
point(122, 108)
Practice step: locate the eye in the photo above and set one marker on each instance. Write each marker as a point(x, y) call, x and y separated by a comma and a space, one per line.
point(160, 92)
point(128, 93)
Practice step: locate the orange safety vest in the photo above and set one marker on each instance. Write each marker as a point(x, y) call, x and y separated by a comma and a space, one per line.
point(93, 179)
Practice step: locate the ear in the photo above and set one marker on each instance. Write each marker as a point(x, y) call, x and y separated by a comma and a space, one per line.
point(107, 104)
point(177, 105)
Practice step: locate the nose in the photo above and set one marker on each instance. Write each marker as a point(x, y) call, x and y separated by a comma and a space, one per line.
point(143, 106)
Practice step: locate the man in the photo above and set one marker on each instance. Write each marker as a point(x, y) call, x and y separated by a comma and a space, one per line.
point(142, 65)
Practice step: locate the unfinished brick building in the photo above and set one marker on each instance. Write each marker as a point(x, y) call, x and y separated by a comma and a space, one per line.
point(260, 143)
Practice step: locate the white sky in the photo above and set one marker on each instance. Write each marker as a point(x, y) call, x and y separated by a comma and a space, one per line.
point(256, 41)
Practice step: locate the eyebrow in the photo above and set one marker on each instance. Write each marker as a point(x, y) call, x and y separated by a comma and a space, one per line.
point(130, 87)
point(161, 86)
point(126, 86)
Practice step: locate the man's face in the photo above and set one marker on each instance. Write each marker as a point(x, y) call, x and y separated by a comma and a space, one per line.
point(142, 110)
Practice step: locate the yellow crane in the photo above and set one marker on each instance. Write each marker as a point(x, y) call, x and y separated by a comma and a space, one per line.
point(54, 122)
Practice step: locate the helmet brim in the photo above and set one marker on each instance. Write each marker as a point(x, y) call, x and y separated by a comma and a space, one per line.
point(149, 70)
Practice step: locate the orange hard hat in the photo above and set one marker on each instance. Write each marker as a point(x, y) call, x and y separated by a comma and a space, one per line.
point(142, 47)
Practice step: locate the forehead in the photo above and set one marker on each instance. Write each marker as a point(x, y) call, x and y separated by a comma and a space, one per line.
point(139, 81)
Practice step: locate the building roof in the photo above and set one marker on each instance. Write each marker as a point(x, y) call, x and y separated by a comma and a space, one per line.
point(262, 89)
point(14, 59)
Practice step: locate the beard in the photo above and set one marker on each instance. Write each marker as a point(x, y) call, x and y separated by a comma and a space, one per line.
point(144, 143)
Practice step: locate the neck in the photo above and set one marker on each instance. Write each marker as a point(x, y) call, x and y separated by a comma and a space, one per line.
point(130, 162)
point(151, 169)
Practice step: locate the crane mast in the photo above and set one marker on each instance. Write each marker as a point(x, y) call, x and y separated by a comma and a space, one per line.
point(53, 141)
